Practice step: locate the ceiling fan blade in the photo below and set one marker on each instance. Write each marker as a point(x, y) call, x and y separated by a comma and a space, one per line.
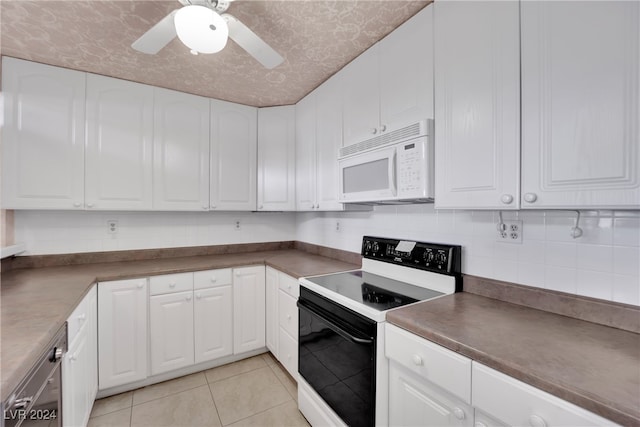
point(254, 45)
point(157, 36)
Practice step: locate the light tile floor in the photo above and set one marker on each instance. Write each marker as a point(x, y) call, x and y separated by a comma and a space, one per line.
point(252, 392)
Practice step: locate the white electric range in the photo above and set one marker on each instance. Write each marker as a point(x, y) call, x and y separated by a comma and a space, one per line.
point(343, 374)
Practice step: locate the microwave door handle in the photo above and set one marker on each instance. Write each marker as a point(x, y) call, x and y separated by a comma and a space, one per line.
point(393, 175)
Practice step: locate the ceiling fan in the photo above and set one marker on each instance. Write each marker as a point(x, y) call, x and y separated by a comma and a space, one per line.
point(203, 27)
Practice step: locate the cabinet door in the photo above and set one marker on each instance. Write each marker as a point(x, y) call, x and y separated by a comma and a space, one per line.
point(271, 306)
point(171, 323)
point(213, 323)
point(406, 72)
point(580, 104)
point(119, 161)
point(248, 308)
point(276, 158)
point(477, 104)
point(75, 368)
point(233, 156)
point(416, 402)
point(328, 143)
point(180, 151)
point(43, 136)
point(122, 332)
point(361, 97)
point(305, 153)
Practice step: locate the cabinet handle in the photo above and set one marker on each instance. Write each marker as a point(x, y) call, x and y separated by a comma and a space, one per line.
point(417, 360)
point(198, 296)
point(73, 357)
point(172, 285)
point(260, 207)
point(288, 317)
point(289, 287)
point(139, 286)
point(374, 131)
point(506, 199)
point(383, 128)
point(82, 317)
point(77, 204)
point(530, 197)
point(537, 421)
point(479, 424)
point(214, 279)
point(213, 206)
point(459, 413)
point(90, 205)
point(188, 298)
point(205, 207)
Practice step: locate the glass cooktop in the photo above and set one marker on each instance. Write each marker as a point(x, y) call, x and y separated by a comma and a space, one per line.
point(378, 292)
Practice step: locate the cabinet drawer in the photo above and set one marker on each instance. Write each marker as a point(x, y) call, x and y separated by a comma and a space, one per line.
point(170, 283)
point(287, 313)
point(80, 315)
point(289, 285)
point(288, 353)
point(515, 403)
point(212, 278)
point(434, 363)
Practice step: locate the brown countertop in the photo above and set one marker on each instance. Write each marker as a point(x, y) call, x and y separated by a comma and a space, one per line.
point(596, 367)
point(36, 302)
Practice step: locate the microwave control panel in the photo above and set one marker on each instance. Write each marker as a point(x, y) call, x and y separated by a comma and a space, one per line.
point(411, 169)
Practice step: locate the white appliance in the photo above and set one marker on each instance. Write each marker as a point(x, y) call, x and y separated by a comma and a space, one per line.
point(343, 372)
point(392, 168)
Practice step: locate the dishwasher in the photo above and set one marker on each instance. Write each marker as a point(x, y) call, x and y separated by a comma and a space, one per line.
point(37, 400)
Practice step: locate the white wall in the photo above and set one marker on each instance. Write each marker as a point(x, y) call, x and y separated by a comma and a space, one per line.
point(604, 263)
point(55, 232)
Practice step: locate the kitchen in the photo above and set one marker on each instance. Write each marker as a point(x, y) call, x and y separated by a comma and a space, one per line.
point(578, 226)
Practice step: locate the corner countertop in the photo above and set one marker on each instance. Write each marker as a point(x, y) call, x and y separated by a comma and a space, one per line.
point(593, 366)
point(36, 302)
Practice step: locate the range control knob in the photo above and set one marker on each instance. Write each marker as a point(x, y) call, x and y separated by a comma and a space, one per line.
point(441, 258)
point(429, 256)
point(376, 247)
point(367, 246)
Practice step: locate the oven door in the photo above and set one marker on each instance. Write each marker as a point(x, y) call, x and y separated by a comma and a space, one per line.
point(337, 352)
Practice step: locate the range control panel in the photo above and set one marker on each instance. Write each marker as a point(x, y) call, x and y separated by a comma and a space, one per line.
point(434, 257)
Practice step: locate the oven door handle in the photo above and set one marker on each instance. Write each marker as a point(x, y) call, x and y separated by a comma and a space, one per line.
point(335, 328)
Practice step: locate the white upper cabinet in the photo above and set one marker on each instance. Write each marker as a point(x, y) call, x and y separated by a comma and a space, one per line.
point(406, 72)
point(327, 143)
point(180, 151)
point(580, 96)
point(276, 158)
point(233, 156)
point(477, 104)
point(306, 153)
point(118, 157)
point(43, 136)
point(390, 84)
point(361, 97)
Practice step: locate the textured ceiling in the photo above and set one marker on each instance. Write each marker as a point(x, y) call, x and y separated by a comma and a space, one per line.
point(316, 38)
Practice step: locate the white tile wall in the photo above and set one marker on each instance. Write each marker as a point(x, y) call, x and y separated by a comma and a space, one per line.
point(54, 232)
point(604, 263)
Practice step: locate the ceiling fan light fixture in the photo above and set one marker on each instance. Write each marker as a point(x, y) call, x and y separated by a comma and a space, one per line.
point(201, 29)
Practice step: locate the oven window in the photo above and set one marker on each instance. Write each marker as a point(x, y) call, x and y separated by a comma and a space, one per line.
point(370, 176)
point(340, 370)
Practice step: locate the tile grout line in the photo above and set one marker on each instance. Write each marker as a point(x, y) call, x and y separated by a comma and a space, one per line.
point(213, 400)
point(257, 413)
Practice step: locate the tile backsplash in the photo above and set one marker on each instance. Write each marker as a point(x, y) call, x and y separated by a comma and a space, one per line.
point(603, 263)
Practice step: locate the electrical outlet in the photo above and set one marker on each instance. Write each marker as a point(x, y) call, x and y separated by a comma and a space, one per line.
point(511, 232)
point(237, 226)
point(337, 225)
point(112, 226)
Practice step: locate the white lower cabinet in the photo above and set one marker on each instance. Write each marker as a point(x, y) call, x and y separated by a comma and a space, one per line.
point(515, 403)
point(213, 314)
point(80, 363)
point(122, 332)
point(248, 308)
point(171, 328)
point(430, 385)
point(414, 401)
point(282, 318)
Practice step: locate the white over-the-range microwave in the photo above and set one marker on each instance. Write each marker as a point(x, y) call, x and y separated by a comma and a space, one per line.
point(392, 168)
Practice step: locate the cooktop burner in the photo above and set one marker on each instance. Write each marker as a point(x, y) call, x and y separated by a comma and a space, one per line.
point(378, 292)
